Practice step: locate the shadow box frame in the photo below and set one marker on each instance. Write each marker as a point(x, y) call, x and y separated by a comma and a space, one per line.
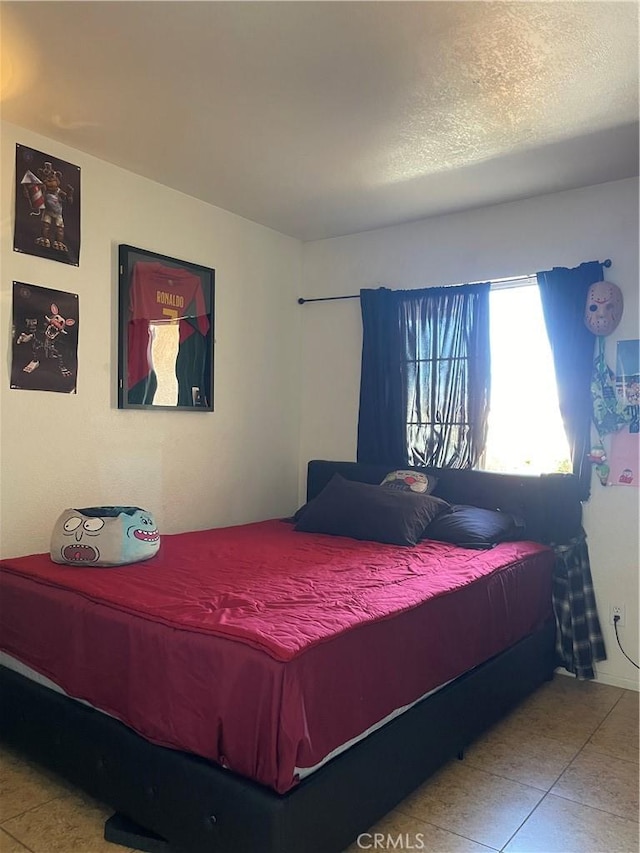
point(166, 315)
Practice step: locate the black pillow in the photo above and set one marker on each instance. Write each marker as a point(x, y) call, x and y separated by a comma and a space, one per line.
point(365, 511)
point(473, 526)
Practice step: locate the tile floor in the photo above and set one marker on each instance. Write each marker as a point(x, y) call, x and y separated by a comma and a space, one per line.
point(559, 775)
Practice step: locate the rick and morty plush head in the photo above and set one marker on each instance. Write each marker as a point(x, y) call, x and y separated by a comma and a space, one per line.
point(104, 536)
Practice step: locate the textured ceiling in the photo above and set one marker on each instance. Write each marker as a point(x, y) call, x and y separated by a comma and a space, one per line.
point(327, 118)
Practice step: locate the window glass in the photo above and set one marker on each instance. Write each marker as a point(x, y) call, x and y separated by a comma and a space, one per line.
point(526, 435)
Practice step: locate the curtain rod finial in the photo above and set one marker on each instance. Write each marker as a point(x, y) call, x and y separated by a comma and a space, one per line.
point(607, 263)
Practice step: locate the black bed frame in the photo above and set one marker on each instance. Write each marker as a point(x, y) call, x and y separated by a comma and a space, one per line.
point(198, 807)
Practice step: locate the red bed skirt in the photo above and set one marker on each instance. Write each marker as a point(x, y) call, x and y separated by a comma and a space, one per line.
point(265, 649)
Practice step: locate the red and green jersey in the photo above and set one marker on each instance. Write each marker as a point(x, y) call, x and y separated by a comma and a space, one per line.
point(161, 294)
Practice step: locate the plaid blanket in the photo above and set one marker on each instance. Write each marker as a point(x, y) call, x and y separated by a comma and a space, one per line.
point(579, 641)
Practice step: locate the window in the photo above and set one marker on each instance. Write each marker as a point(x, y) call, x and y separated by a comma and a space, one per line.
point(445, 373)
point(444, 369)
point(525, 434)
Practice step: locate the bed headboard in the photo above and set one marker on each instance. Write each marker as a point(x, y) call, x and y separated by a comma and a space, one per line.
point(549, 504)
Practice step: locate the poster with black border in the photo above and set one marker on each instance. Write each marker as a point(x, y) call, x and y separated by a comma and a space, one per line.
point(44, 340)
point(47, 215)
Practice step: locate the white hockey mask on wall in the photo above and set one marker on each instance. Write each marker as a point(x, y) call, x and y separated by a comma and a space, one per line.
point(604, 308)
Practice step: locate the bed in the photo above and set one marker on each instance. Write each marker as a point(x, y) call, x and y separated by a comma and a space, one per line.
point(231, 719)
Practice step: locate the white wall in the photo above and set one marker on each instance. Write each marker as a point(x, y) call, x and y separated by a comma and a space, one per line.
point(192, 469)
point(563, 229)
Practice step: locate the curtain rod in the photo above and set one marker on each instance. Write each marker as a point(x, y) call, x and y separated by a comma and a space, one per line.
point(302, 300)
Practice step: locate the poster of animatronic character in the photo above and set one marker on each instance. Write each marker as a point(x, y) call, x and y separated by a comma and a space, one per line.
point(44, 346)
point(47, 220)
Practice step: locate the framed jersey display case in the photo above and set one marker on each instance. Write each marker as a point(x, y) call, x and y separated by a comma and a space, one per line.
point(165, 332)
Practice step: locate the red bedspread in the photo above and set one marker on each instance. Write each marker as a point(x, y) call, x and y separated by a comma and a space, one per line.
point(265, 649)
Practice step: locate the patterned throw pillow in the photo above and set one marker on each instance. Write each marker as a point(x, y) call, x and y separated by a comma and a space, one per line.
point(104, 536)
point(410, 481)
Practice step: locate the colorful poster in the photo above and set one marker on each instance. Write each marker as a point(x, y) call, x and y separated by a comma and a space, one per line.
point(44, 347)
point(628, 372)
point(625, 444)
point(47, 216)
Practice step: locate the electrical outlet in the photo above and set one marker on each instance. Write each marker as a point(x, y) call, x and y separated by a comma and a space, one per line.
point(616, 610)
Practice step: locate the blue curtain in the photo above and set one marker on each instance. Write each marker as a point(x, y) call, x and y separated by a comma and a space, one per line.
point(424, 394)
point(563, 293)
point(381, 423)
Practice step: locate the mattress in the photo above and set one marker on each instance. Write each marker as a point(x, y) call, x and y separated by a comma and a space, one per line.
point(264, 649)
